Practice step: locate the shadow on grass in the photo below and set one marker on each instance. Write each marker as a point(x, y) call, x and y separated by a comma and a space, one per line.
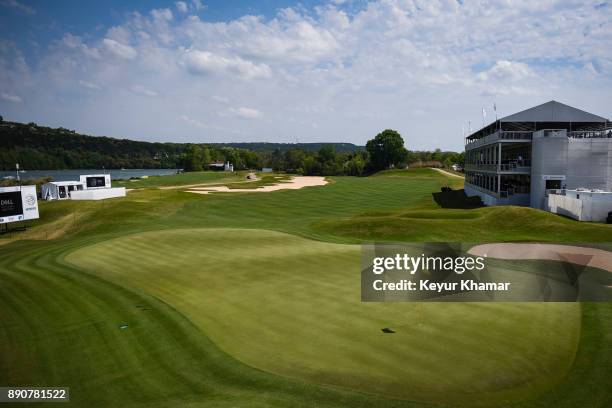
point(449, 198)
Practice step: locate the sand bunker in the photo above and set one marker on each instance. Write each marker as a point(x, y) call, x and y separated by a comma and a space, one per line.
point(295, 183)
point(597, 258)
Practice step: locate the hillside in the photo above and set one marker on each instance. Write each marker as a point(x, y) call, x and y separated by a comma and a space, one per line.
point(38, 148)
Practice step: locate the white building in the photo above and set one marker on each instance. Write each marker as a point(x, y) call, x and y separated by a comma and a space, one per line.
point(89, 187)
point(581, 204)
point(60, 190)
point(520, 158)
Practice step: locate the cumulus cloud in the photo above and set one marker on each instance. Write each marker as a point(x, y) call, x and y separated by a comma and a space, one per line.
point(198, 5)
point(89, 85)
point(181, 6)
point(141, 90)
point(120, 50)
point(204, 63)
point(162, 14)
point(10, 98)
point(245, 113)
point(507, 70)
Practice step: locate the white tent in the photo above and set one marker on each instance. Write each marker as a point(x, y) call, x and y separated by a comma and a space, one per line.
point(60, 190)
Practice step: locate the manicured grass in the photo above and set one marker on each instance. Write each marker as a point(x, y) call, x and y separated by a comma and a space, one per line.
point(223, 310)
point(292, 306)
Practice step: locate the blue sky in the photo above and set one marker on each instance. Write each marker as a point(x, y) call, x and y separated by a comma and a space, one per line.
point(279, 70)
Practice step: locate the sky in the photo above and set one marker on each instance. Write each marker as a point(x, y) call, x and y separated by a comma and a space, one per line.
point(310, 71)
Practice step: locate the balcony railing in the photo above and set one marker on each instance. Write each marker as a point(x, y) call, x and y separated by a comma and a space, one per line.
point(519, 166)
point(590, 134)
point(497, 136)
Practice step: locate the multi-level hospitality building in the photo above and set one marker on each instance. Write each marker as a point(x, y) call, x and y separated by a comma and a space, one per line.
point(521, 158)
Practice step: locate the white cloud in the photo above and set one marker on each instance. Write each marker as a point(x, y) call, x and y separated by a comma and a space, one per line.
point(198, 5)
point(193, 122)
point(204, 62)
point(120, 50)
point(89, 85)
point(141, 90)
point(162, 14)
point(245, 113)
point(181, 6)
point(504, 69)
point(15, 5)
point(10, 98)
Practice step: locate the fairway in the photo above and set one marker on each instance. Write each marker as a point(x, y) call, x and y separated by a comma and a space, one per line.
point(291, 306)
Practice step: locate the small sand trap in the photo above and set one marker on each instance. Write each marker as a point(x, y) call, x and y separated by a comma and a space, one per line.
point(597, 258)
point(295, 183)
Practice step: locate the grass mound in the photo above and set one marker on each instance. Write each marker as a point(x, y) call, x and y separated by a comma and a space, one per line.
point(488, 224)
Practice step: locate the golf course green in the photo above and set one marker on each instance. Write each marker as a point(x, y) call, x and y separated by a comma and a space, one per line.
point(169, 299)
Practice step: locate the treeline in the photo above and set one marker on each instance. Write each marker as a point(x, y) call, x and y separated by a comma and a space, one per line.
point(41, 148)
point(386, 150)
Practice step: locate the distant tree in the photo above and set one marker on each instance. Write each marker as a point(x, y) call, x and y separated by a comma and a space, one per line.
point(355, 166)
point(311, 166)
point(206, 158)
point(436, 155)
point(327, 154)
point(386, 149)
point(294, 160)
point(193, 158)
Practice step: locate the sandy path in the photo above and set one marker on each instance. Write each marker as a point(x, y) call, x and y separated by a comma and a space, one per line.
point(295, 183)
point(446, 173)
point(597, 258)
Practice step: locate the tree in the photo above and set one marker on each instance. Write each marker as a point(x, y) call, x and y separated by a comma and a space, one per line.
point(355, 166)
point(206, 159)
point(294, 160)
point(386, 150)
point(193, 158)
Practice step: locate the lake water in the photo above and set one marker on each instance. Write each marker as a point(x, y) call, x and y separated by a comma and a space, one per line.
point(66, 175)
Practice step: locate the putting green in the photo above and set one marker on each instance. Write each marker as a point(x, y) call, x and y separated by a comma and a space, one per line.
point(291, 306)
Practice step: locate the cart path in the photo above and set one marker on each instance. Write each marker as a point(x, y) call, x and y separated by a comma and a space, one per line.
point(446, 173)
point(597, 258)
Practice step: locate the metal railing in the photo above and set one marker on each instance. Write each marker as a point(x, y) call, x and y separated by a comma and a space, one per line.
point(590, 134)
point(506, 165)
point(499, 135)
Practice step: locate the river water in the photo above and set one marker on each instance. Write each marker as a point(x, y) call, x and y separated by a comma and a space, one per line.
point(66, 175)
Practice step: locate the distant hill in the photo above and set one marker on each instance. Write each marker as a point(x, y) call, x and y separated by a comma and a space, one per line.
point(283, 147)
point(39, 148)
